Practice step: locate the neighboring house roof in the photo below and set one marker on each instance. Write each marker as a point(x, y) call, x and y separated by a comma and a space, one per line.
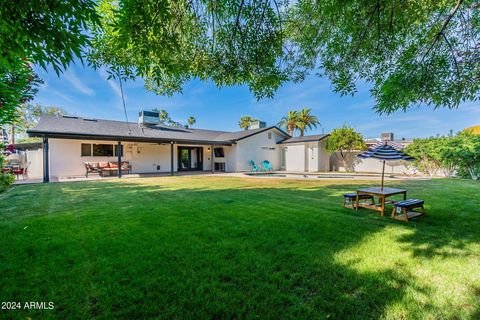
point(82, 128)
point(312, 138)
point(402, 142)
point(28, 146)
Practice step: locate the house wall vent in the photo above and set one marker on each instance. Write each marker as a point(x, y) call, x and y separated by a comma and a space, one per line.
point(148, 118)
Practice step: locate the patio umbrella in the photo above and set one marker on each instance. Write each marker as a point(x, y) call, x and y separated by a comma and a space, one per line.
point(385, 151)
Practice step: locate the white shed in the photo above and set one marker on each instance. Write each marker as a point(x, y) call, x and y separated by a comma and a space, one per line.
point(305, 154)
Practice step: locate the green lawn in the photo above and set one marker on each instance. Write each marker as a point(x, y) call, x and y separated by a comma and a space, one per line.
point(217, 247)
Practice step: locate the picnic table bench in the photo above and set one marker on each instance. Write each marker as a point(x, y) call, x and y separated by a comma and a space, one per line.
point(405, 210)
point(382, 195)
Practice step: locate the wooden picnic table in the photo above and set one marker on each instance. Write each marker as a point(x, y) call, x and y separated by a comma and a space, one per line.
point(382, 196)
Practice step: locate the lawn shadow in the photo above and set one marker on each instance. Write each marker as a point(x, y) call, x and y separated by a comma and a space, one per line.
point(141, 250)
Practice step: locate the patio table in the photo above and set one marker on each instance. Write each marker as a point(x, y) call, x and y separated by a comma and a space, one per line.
point(382, 195)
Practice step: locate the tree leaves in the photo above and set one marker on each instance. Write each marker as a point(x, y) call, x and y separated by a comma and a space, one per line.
point(169, 42)
point(413, 52)
point(18, 85)
point(45, 31)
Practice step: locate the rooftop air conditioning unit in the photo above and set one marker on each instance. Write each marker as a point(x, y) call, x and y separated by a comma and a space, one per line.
point(149, 118)
point(257, 124)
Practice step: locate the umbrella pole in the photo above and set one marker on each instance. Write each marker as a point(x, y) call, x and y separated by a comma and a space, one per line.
point(383, 172)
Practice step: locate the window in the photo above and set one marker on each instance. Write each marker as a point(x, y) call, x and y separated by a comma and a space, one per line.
point(219, 153)
point(269, 135)
point(86, 149)
point(116, 150)
point(103, 150)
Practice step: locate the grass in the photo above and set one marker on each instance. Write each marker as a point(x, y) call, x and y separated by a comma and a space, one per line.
point(218, 247)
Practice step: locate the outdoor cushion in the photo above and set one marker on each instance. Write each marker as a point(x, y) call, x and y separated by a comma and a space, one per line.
point(409, 203)
point(103, 165)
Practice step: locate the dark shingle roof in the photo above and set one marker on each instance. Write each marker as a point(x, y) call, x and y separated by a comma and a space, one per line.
point(71, 127)
point(315, 137)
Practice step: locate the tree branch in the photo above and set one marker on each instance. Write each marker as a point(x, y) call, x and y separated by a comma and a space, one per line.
point(444, 26)
point(452, 53)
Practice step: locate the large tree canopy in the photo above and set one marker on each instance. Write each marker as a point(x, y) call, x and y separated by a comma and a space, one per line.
point(45, 32)
point(413, 52)
point(168, 42)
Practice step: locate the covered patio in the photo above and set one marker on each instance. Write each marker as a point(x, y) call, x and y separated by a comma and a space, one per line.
point(100, 156)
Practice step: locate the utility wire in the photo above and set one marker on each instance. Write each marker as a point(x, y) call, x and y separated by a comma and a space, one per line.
point(123, 100)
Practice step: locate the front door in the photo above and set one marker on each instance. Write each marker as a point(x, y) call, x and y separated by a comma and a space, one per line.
point(190, 158)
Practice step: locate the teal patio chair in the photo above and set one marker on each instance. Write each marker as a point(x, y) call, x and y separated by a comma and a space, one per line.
point(254, 166)
point(267, 166)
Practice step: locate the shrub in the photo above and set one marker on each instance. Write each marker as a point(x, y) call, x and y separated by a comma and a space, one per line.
point(6, 180)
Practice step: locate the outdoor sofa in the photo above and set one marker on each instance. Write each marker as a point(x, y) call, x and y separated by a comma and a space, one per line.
point(107, 168)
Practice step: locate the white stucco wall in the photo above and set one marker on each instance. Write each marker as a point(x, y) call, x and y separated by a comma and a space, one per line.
point(35, 163)
point(66, 160)
point(369, 165)
point(258, 148)
point(145, 157)
point(323, 156)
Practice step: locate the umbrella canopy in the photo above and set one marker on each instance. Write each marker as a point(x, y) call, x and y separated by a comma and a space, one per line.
point(385, 151)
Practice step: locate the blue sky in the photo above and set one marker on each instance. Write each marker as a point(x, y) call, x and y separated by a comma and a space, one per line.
point(86, 92)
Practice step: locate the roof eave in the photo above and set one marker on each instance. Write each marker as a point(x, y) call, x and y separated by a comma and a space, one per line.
point(265, 129)
point(64, 135)
point(301, 141)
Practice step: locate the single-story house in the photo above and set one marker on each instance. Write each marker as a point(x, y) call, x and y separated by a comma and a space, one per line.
point(150, 147)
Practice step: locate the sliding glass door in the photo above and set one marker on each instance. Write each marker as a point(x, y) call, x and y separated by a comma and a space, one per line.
point(190, 158)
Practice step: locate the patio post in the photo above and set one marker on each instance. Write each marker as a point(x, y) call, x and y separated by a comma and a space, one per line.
point(171, 158)
point(212, 167)
point(119, 155)
point(46, 173)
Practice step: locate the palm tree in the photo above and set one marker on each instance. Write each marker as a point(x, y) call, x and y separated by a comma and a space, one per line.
point(245, 122)
point(191, 121)
point(290, 121)
point(306, 120)
point(163, 115)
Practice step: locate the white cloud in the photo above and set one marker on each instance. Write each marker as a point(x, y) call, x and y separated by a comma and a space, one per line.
point(113, 83)
point(78, 84)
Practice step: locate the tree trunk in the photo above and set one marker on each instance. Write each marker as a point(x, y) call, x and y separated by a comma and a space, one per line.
point(11, 136)
point(302, 132)
point(290, 130)
point(344, 161)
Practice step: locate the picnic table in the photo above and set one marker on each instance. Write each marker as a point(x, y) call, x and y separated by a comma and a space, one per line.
point(382, 195)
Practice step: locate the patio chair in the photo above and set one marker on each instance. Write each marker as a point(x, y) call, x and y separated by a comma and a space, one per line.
point(267, 166)
point(254, 166)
